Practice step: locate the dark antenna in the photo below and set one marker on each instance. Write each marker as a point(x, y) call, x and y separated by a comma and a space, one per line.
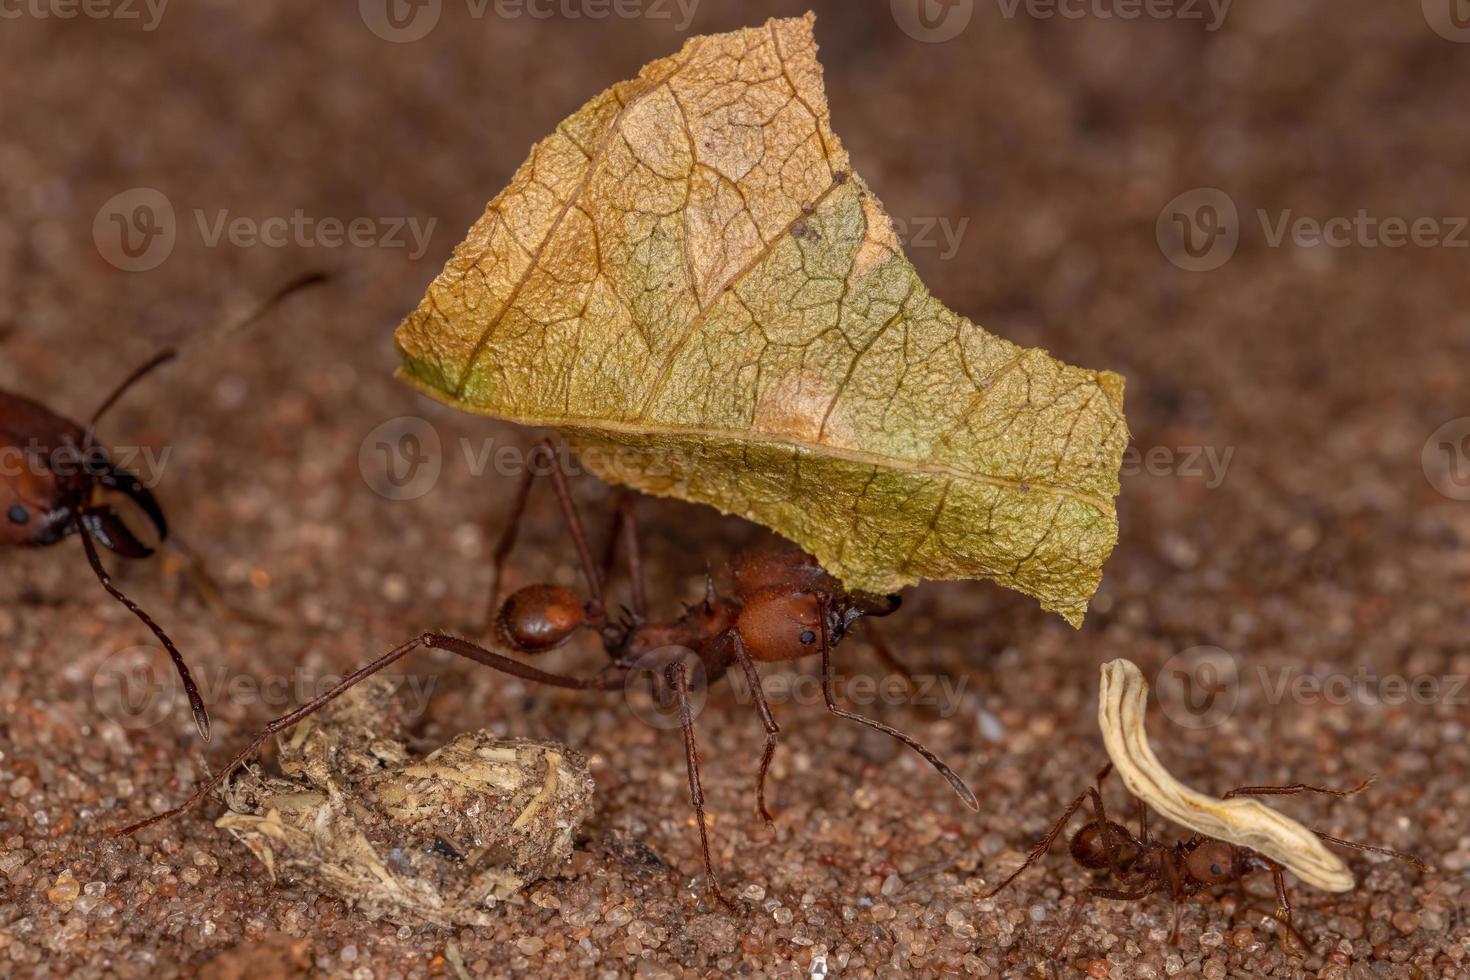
point(171, 353)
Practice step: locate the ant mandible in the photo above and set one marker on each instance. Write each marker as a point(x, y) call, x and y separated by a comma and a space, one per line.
point(55, 491)
point(785, 608)
point(1140, 865)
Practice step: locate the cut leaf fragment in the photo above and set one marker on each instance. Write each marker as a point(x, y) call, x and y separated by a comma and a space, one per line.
point(690, 283)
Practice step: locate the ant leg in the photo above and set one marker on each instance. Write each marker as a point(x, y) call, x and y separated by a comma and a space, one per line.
point(1043, 845)
point(696, 788)
point(1374, 849)
point(604, 681)
point(955, 781)
point(625, 526)
point(1295, 788)
point(507, 540)
point(1056, 953)
point(545, 449)
point(773, 730)
point(191, 690)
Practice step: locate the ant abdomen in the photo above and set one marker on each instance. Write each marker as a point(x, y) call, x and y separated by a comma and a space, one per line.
point(1103, 845)
point(539, 618)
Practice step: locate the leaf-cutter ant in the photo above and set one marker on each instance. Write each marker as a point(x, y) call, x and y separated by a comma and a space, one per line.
point(1136, 866)
point(785, 607)
point(56, 480)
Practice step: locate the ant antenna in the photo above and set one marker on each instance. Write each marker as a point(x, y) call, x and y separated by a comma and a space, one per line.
point(168, 354)
point(955, 782)
point(196, 703)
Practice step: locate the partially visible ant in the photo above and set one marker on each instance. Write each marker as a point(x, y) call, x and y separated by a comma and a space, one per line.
point(62, 476)
point(785, 608)
point(1140, 865)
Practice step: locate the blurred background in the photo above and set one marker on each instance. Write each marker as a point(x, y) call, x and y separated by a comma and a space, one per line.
point(1256, 212)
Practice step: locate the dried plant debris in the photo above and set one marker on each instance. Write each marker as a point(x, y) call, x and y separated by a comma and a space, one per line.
point(434, 840)
point(1122, 702)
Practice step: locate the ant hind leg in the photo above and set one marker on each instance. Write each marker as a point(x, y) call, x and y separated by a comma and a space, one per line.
point(680, 680)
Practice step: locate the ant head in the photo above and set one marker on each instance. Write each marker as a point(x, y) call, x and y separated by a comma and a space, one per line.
point(35, 507)
point(1101, 845)
point(539, 618)
point(1212, 862)
point(780, 624)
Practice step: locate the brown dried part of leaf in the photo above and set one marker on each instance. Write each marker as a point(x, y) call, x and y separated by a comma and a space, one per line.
point(436, 840)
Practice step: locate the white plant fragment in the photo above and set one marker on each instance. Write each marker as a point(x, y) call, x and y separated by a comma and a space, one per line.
point(1122, 702)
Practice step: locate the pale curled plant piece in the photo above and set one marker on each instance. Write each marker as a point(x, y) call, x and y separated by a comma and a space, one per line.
point(1122, 704)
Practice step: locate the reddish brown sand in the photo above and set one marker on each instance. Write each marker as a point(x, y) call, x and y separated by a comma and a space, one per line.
point(1323, 549)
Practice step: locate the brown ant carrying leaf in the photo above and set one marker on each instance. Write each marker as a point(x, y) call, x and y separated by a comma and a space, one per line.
point(785, 607)
point(1136, 866)
point(63, 477)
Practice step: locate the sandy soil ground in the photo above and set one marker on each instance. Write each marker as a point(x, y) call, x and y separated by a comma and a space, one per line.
point(1283, 506)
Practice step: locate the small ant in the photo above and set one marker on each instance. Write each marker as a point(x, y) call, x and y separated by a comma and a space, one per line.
point(1140, 865)
point(56, 490)
point(785, 608)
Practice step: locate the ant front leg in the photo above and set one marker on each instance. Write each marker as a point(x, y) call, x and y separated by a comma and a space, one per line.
point(773, 730)
point(678, 675)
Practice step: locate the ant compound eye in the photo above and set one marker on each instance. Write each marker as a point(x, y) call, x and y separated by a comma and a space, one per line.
point(1215, 869)
point(807, 636)
point(19, 515)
